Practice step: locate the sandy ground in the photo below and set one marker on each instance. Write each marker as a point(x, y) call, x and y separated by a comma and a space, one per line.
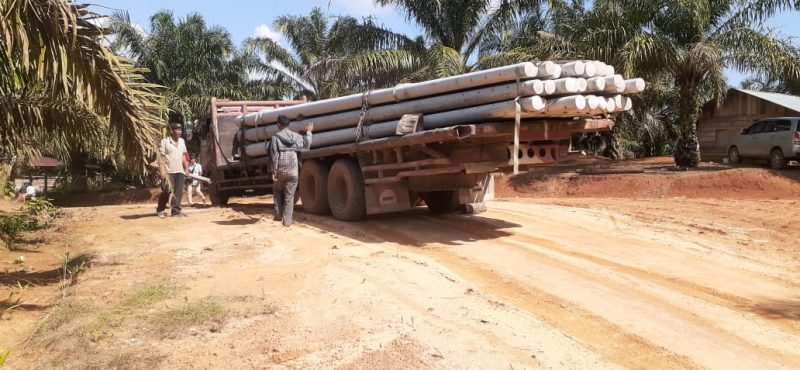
point(565, 283)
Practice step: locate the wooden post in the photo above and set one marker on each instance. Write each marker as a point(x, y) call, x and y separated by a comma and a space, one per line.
point(516, 135)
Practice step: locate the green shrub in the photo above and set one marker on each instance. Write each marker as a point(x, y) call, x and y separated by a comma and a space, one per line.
point(40, 206)
point(9, 192)
point(37, 214)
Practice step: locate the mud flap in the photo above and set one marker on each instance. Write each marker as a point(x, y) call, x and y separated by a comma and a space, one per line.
point(474, 208)
point(385, 198)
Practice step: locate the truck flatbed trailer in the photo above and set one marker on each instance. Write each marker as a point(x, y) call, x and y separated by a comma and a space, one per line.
point(449, 168)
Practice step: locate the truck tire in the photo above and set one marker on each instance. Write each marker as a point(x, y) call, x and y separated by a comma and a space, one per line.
point(442, 201)
point(346, 191)
point(314, 187)
point(218, 200)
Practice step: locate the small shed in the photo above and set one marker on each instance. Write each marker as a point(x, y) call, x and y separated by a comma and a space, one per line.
point(38, 170)
point(719, 124)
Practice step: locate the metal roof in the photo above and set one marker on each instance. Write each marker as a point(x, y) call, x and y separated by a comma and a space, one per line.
point(787, 101)
point(44, 162)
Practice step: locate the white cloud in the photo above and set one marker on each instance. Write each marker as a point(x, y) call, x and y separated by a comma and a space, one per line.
point(263, 31)
point(139, 29)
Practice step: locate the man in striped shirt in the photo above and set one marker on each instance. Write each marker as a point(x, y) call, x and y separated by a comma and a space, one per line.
point(285, 165)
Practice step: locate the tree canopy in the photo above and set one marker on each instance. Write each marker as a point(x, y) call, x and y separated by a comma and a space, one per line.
point(194, 61)
point(61, 88)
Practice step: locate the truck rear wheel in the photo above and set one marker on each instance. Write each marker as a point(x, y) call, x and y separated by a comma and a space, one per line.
point(346, 191)
point(442, 201)
point(313, 187)
point(218, 200)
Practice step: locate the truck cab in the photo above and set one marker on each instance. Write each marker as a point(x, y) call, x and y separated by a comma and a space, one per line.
point(230, 172)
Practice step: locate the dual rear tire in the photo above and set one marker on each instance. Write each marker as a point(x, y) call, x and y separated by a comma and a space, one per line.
point(339, 190)
point(336, 189)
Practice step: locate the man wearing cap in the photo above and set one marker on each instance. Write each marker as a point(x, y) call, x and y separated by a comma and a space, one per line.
point(283, 148)
point(173, 162)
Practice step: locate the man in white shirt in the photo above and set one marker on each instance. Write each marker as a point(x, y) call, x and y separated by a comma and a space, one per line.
point(173, 161)
point(30, 191)
point(195, 169)
point(26, 192)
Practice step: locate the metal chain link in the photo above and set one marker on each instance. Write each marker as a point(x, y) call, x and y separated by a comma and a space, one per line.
point(364, 107)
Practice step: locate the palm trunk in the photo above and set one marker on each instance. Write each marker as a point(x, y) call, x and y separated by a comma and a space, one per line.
point(687, 149)
point(77, 168)
point(6, 168)
point(612, 148)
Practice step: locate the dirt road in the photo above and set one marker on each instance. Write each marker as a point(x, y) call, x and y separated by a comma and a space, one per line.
point(581, 283)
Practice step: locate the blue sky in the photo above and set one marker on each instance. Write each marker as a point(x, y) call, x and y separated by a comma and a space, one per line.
point(245, 18)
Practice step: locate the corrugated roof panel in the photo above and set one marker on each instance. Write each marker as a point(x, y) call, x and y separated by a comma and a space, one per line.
point(788, 101)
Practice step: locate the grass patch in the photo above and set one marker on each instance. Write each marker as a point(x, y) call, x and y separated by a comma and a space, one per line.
point(205, 312)
point(62, 315)
point(134, 360)
point(145, 297)
point(246, 305)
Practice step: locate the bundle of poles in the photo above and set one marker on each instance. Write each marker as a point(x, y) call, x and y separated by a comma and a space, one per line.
point(548, 89)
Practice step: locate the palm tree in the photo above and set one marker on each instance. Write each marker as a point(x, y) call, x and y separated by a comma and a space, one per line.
point(193, 61)
point(60, 88)
point(692, 41)
point(332, 59)
point(456, 30)
point(771, 84)
point(682, 46)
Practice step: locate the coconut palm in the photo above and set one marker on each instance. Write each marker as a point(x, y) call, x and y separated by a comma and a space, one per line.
point(60, 88)
point(193, 61)
point(328, 59)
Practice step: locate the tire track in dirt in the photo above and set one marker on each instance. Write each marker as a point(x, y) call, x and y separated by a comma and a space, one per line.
point(687, 287)
point(703, 320)
point(607, 339)
point(397, 290)
point(778, 273)
point(693, 321)
point(701, 289)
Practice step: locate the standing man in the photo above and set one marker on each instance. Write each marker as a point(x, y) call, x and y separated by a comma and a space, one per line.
point(283, 149)
point(197, 170)
point(173, 162)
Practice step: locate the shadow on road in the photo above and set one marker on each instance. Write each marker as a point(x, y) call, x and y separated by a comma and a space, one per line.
point(138, 216)
point(778, 309)
point(237, 222)
point(74, 266)
point(417, 227)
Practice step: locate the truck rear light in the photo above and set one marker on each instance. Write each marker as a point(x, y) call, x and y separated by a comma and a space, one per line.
point(797, 137)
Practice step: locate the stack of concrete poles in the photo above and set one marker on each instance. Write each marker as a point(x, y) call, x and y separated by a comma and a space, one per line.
point(543, 89)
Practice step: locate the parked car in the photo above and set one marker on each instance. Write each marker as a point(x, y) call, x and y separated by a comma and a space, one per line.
point(774, 139)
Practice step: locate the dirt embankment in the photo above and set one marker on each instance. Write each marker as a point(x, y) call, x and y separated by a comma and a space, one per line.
point(651, 178)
